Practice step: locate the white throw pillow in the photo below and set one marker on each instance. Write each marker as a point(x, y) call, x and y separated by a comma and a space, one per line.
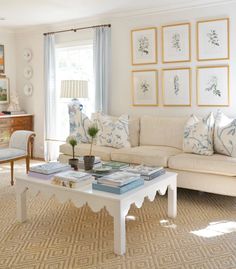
point(225, 135)
point(79, 124)
point(198, 135)
point(112, 133)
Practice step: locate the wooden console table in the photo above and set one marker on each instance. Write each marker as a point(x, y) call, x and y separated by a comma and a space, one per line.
point(11, 123)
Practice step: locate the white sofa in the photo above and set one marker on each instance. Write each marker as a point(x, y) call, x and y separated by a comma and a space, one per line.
point(158, 141)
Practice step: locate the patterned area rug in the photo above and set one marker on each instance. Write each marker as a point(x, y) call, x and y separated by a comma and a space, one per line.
point(63, 236)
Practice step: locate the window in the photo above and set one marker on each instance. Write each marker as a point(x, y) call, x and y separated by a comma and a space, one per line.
point(73, 62)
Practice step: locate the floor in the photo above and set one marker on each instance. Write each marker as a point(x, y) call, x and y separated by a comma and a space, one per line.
point(62, 236)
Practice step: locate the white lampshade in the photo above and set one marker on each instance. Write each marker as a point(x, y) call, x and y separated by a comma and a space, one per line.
point(74, 89)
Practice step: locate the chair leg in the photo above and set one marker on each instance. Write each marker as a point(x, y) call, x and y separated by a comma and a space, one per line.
point(12, 172)
point(27, 164)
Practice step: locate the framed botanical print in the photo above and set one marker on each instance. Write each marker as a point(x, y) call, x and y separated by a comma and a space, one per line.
point(144, 88)
point(144, 46)
point(2, 60)
point(176, 43)
point(4, 90)
point(176, 87)
point(213, 40)
point(213, 85)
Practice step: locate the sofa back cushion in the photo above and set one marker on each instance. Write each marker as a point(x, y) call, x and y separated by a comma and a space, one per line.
point(162, 131)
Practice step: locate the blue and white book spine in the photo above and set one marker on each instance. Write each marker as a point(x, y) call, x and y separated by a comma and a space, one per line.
point(118, 190)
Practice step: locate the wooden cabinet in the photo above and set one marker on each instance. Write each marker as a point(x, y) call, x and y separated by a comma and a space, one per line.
point(11, 123)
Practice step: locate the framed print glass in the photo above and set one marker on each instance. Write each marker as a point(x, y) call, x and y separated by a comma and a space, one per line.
point(144, 46)
point(213, 85)
point(176, 87)
point(144, 88)
point(2, 60)
point(176, 43)
point(213, 40)
point(4, 90)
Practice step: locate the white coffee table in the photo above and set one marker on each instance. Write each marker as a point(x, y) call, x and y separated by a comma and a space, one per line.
point(117, 205)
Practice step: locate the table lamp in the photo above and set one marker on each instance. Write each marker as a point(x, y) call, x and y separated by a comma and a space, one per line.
point(74, 89)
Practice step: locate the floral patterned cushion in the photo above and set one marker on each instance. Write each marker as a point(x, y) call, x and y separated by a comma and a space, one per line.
point(198, 135)
point(225, 135)
point(112, 133)
point(79, 124)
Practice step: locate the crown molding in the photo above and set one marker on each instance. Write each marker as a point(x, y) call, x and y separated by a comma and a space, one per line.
point(172, 8)
point(108, 17)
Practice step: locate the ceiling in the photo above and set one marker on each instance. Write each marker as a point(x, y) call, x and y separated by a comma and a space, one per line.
point(21, 13)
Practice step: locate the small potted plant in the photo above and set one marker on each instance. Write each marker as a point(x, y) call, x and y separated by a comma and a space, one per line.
point(89, 159)
point(74, 161)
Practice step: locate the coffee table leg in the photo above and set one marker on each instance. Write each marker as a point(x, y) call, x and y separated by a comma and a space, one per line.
point(119, 233)
point(172, 200)
point(21, 210)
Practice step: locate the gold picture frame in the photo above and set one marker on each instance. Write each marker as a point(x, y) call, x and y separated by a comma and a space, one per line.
point(4, 90)
point(135, 83)
point(134, 58)
point(189, 92)
point(211, 86)
point(198, 40)
point(164, 46)
point(2, 59)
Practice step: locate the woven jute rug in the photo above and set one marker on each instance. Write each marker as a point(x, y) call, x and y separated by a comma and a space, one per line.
point(62, 236)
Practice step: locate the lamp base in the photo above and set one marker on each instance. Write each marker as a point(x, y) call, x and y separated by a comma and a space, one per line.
point(75, 105)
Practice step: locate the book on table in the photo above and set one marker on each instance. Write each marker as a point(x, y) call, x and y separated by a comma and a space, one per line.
point(116, 165)
point(118, 179)
point(146, 172)
point(47, 170)
point(116, 189)
point(72, 179)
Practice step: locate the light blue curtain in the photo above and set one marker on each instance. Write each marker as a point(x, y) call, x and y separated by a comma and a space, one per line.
point(102, 58)
point(50, 146)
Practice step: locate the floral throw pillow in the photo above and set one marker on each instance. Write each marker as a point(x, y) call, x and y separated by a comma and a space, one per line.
point(198, 135)
point(79, 124)
point(225, 135)
point(112, 133)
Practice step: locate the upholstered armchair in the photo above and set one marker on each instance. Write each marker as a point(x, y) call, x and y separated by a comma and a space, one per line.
point(19, 148)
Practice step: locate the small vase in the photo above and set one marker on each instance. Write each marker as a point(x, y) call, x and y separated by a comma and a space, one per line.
point(88, 162)
point(74, 163)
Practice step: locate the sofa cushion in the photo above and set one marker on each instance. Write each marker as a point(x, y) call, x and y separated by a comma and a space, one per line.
point(83, 149)
point(162, 131)
point(133, 126)
point(225, 135)
point(214, 164)
point(112, 133)
point(148, 155)
point(198, 135)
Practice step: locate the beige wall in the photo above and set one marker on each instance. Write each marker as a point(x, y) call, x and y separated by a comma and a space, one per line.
point(120, 91)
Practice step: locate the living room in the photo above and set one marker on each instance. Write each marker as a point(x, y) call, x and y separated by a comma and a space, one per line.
point(62, 235)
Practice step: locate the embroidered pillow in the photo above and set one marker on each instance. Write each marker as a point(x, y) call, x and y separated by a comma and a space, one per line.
point(225, 135)
point(79, 124)
point(112, 133)
point(198, 135)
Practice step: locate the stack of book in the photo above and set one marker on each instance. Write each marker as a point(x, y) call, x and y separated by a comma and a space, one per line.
point(14, 112)
point(48, 170)
point(72, 179)
point(146, 172)
point(118, 182)
point(116, 165)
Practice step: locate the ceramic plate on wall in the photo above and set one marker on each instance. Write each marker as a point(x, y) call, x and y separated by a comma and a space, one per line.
point(28, 89)
point(27, 54)
point(28, 72)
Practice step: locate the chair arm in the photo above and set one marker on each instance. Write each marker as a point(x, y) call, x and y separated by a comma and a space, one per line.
point(21, 140)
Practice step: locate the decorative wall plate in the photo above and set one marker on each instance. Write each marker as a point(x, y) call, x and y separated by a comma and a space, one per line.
point(27, 54)
point(28, 89)
point(28, 72)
